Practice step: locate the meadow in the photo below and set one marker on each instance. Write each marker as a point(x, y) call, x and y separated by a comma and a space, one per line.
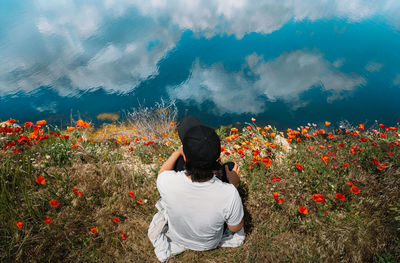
point(87, 194)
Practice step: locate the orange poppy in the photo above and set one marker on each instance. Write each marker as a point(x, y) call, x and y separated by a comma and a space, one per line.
point(355, 189)
point(47, 220)
point(123, 235)
point(275, 195)
point(172, 124)
point(234, 130)
point(40, 180)
point(303, 210)
point(71, 128)
point(340, 196)
point(93, 230)
point(382, 135)
point(327, 123)
point(223, 148)
point(54, 203)
point(139, 201)
point(42, 122)
point(361, 126)
point(318, 197)
point(325, 158)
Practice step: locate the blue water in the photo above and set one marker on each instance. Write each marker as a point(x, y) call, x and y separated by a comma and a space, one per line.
point(81, 58)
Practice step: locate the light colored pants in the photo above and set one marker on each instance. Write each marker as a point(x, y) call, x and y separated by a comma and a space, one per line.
point(164, 248)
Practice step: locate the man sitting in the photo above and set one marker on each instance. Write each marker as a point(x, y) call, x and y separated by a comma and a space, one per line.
point(195, 205)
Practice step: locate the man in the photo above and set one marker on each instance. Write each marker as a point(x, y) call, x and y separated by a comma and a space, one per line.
point(194, 203)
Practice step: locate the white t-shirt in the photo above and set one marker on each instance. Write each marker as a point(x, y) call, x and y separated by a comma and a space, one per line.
point(197, 210)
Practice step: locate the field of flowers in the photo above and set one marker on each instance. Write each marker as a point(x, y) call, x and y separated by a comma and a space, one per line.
point(311, 194)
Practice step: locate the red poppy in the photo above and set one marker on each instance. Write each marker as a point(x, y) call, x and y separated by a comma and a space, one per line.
point(346, 164)
point(47, 220)
point(390, 154)
point(115, 220)
point(349, 183)
point(374, 144)
point(355, 189)
point(93, 230)
point(303, 210)
point(383, 135)
point(325, 158)
point(223, 148)
point(40, 180)
point(341, 144)
point(318, 197)
point(381, 125)
point(275, 195)
point(54, 203)
point(340, 196)
point(10, 120)
point(28, 124)
point(123, 235)
point(276, 179)
point(131, 194)
point(280, 200)
point(19, 224)
point(266, 161)
point(361, 126)
point(299, 167)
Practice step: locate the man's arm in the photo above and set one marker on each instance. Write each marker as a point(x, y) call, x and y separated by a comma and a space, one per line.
point(170, 163)
point(237, 227)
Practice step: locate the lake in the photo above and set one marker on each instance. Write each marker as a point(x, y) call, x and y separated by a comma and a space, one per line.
point(285, 63)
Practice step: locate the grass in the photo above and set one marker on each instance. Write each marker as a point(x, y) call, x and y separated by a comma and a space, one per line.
point(111, 161)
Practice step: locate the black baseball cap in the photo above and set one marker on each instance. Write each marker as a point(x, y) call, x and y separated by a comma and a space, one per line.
point(201, 144)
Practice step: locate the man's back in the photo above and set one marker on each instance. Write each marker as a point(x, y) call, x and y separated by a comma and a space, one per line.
point(198, 210)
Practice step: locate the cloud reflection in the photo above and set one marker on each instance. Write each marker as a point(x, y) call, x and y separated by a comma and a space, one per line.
point(284, 78)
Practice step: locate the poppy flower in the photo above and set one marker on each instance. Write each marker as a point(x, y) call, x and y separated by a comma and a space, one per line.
point(266, 161)
point(40, 180)
point(234, 130)
point(341, 144)
point(115, 220)
point(275, 195)
point(303, 210)
point(390, 154)
point(223, 148)
point(361, 126)
point(327, 123)
point(355, 189)
point(131, 194)
point(172, 124)
point(139, 201)
point(325, 158)
point(272, 134)
point(71, 128)
point(10, 120)
point(123, 235)
point(318, 198)
point(252, 119)
point(280, 200)
point(42, 122)
point(340, 196)
point(381, 166)
point(276, 179)
point(93, 230)
point(19, 224)
point(299, 167)
point(28, 124)
point(47, 220)
point(382, 135)
point(349, 183)
point(381, 125)
point(54, 203)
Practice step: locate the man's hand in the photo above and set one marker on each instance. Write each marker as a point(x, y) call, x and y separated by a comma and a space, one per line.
point(233, 176)
point(169, 164)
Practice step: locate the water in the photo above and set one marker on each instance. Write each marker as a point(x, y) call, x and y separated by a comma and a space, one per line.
point(286, 63)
